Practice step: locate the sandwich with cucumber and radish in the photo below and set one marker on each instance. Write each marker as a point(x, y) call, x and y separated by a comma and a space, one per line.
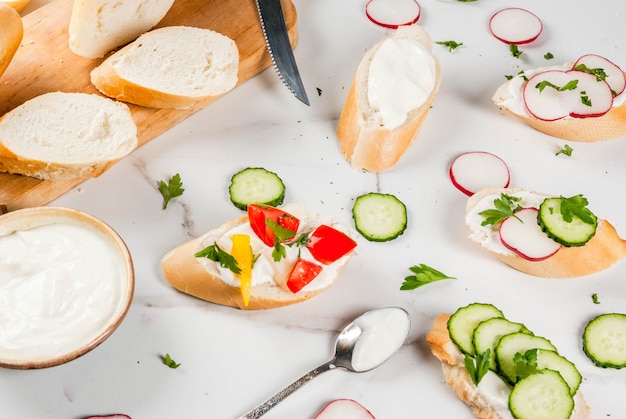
point(502, 370)
point(543, 235)
point(577, 101)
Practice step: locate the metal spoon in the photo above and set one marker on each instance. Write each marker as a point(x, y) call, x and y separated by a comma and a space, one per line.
point(344, 351)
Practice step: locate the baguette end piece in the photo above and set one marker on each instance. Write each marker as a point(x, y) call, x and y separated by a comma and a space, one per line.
point(10, 35)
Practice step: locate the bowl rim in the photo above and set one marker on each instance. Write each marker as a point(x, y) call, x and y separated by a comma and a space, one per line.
point(27, 218)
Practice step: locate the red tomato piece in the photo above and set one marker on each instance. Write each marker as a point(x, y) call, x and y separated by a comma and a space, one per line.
point(302, 273)
point(259, 214)
point(327, 244)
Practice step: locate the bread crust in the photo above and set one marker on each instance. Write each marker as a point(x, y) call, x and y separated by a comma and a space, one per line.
point(601, 252)
point(371, 147)
point(10, 35)
point(458, 379)
point(609, 126)
point(185, 273)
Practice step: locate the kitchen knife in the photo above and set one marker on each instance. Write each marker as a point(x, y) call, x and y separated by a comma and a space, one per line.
point(279, 46)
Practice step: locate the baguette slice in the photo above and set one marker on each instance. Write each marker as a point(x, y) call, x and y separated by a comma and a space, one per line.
point(58, 136)
point(456, 376)
point(190, 275)
point(10, 35)
point(603, 250)
point(364, 139)
point(99, 26)
point(170, 67)
point(609, 126)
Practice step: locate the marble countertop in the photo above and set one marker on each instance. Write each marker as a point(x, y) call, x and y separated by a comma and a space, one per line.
point(231, 359)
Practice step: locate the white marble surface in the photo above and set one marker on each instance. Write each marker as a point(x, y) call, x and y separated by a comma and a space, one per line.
point(232, 360)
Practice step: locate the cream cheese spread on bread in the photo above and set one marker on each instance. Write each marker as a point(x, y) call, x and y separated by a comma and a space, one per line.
point(509, 95)
point(265, 270)
point(401, 77)
point(488, 236)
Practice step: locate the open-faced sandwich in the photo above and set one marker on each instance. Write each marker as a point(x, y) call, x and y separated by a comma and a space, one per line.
point(501, 370)
point(270, 258)
point(542, 235)
point(580, 101)
point(392, 91)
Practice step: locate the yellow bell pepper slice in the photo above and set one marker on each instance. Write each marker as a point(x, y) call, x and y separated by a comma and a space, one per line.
point(242, 252)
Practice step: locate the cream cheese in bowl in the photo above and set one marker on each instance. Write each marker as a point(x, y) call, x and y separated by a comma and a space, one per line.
point(66, 283)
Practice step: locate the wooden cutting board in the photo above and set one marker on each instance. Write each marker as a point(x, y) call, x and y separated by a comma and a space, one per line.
point(44, 63)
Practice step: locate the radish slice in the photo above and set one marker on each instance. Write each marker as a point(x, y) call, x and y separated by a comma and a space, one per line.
point(475, 170)
point(614, 75)
point(590, 98)
point(113, 416)
point(515, 26)
point(525, 237)
point(344, 409)
point(393, 13)
point(598, 94)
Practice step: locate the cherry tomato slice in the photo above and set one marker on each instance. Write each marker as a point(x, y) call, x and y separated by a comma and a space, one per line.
point(259, 214)
point(302, 273)
point(327, 244)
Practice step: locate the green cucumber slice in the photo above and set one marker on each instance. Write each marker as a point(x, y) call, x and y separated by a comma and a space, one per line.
point(463, 322)
point(604, 340)
point(488, 333)
point(256, 185)
point(550, 360)
point(513, 343)
point(543, 395)
point(576, 232)
point(379, 217)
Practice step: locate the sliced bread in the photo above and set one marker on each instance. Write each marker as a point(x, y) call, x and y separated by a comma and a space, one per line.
point(99, 26)
point(392, 91)
point(59, 136)
point(170, 67)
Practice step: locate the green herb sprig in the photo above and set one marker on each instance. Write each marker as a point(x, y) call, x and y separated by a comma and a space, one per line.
point(167, 360)
point(576, 206)
point(423, 274)
point(282, 234)
point(451, 45)
point(515, 51)
point(217, 254)
point(505, 206)
point(566, 150)
point(171, 189)
point(477, 366)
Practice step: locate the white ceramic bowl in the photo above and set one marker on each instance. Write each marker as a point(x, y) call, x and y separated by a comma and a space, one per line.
point(66, 283)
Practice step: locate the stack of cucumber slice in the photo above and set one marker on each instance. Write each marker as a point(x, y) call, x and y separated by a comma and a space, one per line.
point(543, 382)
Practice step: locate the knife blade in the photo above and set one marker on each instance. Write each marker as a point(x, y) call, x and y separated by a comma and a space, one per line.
point(279, 46)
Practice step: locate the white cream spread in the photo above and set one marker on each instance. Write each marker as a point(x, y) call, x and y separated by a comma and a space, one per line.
point(488, 236)
point(59, 286)
point(509, 95)
point(264, 269)
point(384, 332)
point(402, 75)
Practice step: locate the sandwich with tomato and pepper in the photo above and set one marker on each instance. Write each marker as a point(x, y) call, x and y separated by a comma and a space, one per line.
point(270, 258)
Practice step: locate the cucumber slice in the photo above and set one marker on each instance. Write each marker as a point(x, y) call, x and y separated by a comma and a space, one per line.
point(543, 395)
point(550, 360)
point(379, 217)
point(604, 340)
point(256, 185)
point(463, 322)
point(514, 343)
point(576, 232)
point(488, 333)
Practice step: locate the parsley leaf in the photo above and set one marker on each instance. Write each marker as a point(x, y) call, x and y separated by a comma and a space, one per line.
point(423, 275)
point(576, 206)
point(515, 52)
point(567, 150)
point(505, 206)
point(171, 189)
point(452, 45)
point(167, 360)
point(282, 234)
point(548, 56)
point(216, 254)
point(598, 72)
point(570, 85)
point(477, 367)
point(594, 298)
point(526, 363)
